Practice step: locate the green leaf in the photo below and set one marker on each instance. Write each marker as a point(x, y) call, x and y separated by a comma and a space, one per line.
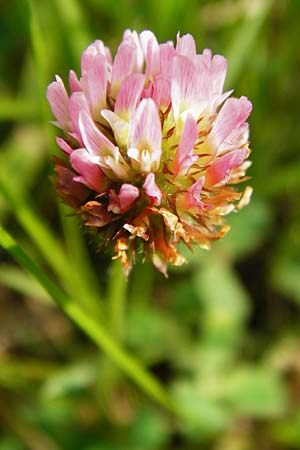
point(153, 334)
point(257, 392)
point(202, 416)
point(249, 227)
point(149, 431)
point(69, 380)
point(11, 443)
point(285, 265)
point(224, 299)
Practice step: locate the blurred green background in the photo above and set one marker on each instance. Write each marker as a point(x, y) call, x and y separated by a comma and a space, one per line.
point(222, 334)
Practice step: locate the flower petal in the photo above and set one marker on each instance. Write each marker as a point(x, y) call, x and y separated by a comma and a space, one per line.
point(132, 38)
point(151, 52)
point(95, 142)
point(218, 73)
point(186, 46)
point(77, 103)
point(192, 195)
point(58, 99)
point(94, 80)
point(124, 64)
point(90, 173)
point(152, 190)
point(184, 156)
point(184, 85)
point(232, 116)
point(92, 51)
point(120, 203)
point(70, 191)
point(146, 134)
point(211, 73)
point(166, 54)
point(95, 214)
point(74, 82)
point(129, 94)
point(162, 91)
point(64, 146)
point(219, 171)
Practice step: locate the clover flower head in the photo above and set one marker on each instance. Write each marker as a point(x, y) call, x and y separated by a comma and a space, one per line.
point(153, 147)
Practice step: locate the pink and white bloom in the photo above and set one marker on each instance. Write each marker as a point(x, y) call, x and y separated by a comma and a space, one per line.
point(152, 147)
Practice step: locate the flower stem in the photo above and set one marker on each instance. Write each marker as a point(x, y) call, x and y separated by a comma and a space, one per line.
point(116, 297)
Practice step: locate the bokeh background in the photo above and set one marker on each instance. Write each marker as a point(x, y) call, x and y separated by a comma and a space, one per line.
point(222, 334)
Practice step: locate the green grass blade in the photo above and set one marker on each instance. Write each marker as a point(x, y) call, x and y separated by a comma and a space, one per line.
point(19, 281)
point(48, 246)
point(17, 109)
point(71, 15)
point(239, 50)
point(96, 332)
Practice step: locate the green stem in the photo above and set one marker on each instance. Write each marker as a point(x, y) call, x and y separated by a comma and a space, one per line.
point(142, 281)
point(94, 330)
point(116, 297)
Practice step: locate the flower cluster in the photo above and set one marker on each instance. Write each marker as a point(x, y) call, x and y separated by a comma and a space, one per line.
point(153, 146)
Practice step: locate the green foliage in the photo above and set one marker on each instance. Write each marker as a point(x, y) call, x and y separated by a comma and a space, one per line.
point(208, 359)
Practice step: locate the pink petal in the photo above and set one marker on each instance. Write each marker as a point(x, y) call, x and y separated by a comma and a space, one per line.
point(64, 146)
point(166, 53)
point(120, 203)
point(132, 38)
point(204, 79)
point(77, 103)
point(152, 190)
point(186, 46)
point(94, 83)
point(92, 51)
point(58, 99)
point(207, 56)
point(129, 93)
point(74, 82)
point(72, 192)
point(232, 116)
point(95, 142)
point(192, 195)
point(211, 74)
point(218, 73)
point(219, 171)
point(145, 132)
point(90, 173)
point(162, 91)
point(184, 86)
point(151, 52)
point(148, 91)
point(124, 64)
point(184, 156)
